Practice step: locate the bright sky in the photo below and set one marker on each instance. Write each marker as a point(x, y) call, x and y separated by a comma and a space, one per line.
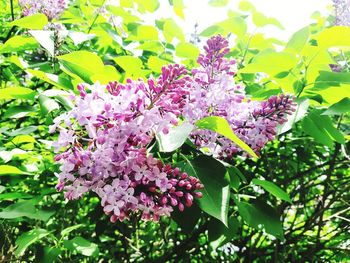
point(293, 14)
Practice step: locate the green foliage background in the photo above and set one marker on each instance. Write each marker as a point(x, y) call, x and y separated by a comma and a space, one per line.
point(303, 212)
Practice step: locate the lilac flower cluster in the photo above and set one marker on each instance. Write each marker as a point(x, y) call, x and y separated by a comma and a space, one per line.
point(51, 8)
point(342, 12)
point(104, 141)
point(214, 93)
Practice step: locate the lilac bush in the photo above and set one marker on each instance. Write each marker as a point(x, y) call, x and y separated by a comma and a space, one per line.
point(104, 142)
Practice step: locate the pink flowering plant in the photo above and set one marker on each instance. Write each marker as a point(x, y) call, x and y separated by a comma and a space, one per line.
point(113, 140)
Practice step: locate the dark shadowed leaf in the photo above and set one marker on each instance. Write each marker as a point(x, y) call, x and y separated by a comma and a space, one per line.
point(261, 216)
point(216, 192)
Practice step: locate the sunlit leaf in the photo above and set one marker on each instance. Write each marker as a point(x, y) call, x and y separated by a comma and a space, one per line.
point(156, 63)
point(175, 138)
point(171, 30)
point(82, 63)
point(36, 21)
point(19, 43)
point(218, 3)
point(45, 39)
point(260, 20)
point(221, 126)
point(178, 6)
point(273, 189)
point(336, 36)
point(9, 169)
point(187, 50)
point(17, 93)
point(145, 32)
point(298, 40)
point(271, 62)
point(246, 6)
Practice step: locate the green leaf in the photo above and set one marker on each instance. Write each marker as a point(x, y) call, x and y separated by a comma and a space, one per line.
point(79, 37)
point(25, 209)
point(28, 238)
point(187, 219)
point(8, 169)
point(153, 46)
point(17, 112)
point(53, 79)
point(156, 63)
point(23, 139)
point(332, 95)
point(17, 93)
point(36, 21)
point(260, 215)
point(45, 39)
point(51, 254)
point(271, 62)
point(171, 30)
point(298, 40)
point(14, 195)
point(300, 112)
point(221, 126)
point(187, 50)
point(216, 192)
point(131, 65)
point(260, 20)
point(236, 25)
point(321, 128)
point(338, 108)
point(24, 130)
point(67, 230)
point(327, 79)
point(336, 36)
point(211, 31)
point(19, 43)
point(47, 105)
point(218, 3)
point(175, 138)
point(246, 6)
point(235, 177)
point(144, 32)
point(149, 5)
point(178, 6)
point(219, 234)
point(273, 189)
point(109, 73)
point(82, 63)
point(82, 246)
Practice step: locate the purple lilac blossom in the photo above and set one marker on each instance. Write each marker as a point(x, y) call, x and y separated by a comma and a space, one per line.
point(214, 93)
point(51, 8)
point(104, 140)
point(342, 12)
